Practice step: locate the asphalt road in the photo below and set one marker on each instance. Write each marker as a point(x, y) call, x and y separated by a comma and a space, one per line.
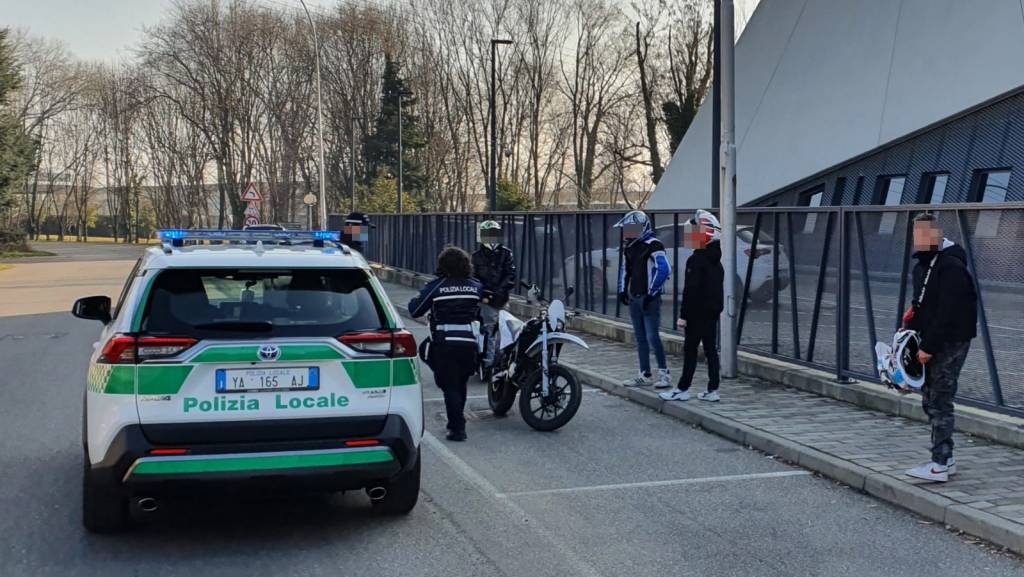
point(620, 491)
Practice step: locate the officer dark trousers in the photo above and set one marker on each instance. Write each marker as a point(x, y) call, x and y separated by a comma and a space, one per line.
point(452, 366)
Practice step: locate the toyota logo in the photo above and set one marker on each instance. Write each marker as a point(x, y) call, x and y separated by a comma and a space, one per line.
point(269, 352)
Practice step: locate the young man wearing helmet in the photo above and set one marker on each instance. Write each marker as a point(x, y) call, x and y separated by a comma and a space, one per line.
point(495, 268)
point(642, 274)
point(945, 315)
point(702, 304)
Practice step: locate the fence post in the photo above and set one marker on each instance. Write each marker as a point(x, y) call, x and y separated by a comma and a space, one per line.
point(869, 309)
point(792, 285)
point(820, 291)
point(990, 358)
point(843, 297)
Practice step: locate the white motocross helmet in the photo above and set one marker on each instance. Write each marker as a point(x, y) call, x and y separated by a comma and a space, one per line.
point(898, 366)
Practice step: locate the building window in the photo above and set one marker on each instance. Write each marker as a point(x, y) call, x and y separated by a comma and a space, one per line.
point(811, 198)
point(990, 186)
point(838, 190)
point(933, 188)
point(890, 193)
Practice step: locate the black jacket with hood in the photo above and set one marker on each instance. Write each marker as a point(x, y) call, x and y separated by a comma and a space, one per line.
point(496, 271)
point(703, 298)
point(949, 311)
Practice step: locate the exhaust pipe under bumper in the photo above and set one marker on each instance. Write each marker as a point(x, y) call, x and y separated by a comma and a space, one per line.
point(148, 504)
point(377, 493)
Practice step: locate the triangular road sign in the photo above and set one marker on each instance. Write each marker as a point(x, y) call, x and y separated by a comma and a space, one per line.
point(251, 194)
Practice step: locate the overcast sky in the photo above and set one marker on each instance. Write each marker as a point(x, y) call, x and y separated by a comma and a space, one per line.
point(105, 29)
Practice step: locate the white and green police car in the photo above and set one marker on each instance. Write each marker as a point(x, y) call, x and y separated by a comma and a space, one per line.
point(266, 360)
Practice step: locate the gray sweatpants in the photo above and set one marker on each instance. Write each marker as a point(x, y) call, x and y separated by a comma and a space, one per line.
point(940, 384)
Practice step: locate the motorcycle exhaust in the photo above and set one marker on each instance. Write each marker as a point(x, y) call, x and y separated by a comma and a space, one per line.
point(148, 504)
point(377, 493)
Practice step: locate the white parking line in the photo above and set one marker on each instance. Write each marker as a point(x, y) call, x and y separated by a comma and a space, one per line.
point(467, 472)
point(668, 483)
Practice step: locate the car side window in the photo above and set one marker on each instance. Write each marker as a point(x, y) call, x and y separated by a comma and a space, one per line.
point(127, 287)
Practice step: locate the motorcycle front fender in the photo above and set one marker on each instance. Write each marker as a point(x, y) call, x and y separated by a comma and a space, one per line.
point(555, 339)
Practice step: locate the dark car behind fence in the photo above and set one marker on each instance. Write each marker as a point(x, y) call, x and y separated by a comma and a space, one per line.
point(820, 286)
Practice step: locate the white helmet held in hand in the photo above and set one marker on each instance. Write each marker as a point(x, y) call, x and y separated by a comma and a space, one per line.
point(898, 366)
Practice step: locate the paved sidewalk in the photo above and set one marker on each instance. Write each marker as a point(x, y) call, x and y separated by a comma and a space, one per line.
point(866, 449)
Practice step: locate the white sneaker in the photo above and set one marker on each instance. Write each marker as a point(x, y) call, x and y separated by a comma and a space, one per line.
point(640, 380)
point(931, 471)
point(951, 466)
point(711, 397)
point(675, 395)
point(663, 380)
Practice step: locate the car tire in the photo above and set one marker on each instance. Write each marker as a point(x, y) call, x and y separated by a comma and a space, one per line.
point(402, 492)
point(104, 507)
point(763, 294)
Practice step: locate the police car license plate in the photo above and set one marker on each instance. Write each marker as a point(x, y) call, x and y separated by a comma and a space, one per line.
point(276, 379)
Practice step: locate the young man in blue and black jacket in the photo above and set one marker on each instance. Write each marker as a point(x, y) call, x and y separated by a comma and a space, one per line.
point(642, 277)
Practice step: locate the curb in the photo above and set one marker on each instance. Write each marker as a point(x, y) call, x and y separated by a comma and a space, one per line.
point(879, 485)
point(1002, 429)
point(889, 489)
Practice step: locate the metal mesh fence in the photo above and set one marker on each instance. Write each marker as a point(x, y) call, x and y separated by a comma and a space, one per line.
point(818, 286)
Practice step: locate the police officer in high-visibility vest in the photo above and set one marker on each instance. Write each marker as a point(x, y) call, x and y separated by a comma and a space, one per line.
point(453, 301)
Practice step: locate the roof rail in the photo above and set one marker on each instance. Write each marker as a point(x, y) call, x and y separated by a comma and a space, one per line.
point(176, 237)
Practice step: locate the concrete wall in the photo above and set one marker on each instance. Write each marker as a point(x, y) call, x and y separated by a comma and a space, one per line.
point(821, 81)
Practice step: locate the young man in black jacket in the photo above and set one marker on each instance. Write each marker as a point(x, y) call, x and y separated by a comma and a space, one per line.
point(495, 267)
point(945, 315)
point(702, 304)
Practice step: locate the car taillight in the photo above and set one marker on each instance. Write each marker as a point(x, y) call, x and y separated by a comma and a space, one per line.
point(404, 345)
point(148, 348)
point(396, 344)
point(119, 351)
point(122, 350)
point(759, 252)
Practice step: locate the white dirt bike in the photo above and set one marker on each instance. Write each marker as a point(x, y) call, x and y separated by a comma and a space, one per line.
point(526, 362)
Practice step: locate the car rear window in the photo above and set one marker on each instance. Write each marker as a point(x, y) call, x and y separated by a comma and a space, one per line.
point(241, 303)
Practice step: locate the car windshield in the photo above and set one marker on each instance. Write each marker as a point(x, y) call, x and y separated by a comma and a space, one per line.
point(241, 303)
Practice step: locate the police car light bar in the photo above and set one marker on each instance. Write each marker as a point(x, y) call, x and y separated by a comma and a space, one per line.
point(177, 237)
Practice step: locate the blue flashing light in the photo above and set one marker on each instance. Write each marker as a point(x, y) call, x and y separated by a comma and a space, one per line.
point(327, 235)
point(173, 234)
point(177, 237)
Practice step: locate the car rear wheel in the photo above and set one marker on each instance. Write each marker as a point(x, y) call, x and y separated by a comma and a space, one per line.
point(402, 493)
point(104, 508)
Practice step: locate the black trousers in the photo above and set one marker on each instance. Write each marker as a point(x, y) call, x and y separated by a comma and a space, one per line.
point(452, 366)
point(699, 332)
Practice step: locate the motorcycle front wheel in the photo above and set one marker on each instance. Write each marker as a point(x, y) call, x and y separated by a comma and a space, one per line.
point(500, 396)
point(558, 407)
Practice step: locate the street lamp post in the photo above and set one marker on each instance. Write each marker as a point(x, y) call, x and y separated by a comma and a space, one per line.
point(319, 119)
point(727, 184)
point(492, 185)
point(401, 94)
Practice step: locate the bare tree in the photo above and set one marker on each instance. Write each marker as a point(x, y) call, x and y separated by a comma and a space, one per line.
point(594, 83)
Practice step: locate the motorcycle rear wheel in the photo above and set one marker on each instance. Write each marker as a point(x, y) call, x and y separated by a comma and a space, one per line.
point(555, 411)
point(500, 396)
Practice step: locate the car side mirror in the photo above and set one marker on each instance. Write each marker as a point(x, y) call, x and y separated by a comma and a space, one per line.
point(93, 308)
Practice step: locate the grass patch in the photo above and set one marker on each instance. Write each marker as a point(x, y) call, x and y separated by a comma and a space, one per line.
point(97, 240)
point(25, 253)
